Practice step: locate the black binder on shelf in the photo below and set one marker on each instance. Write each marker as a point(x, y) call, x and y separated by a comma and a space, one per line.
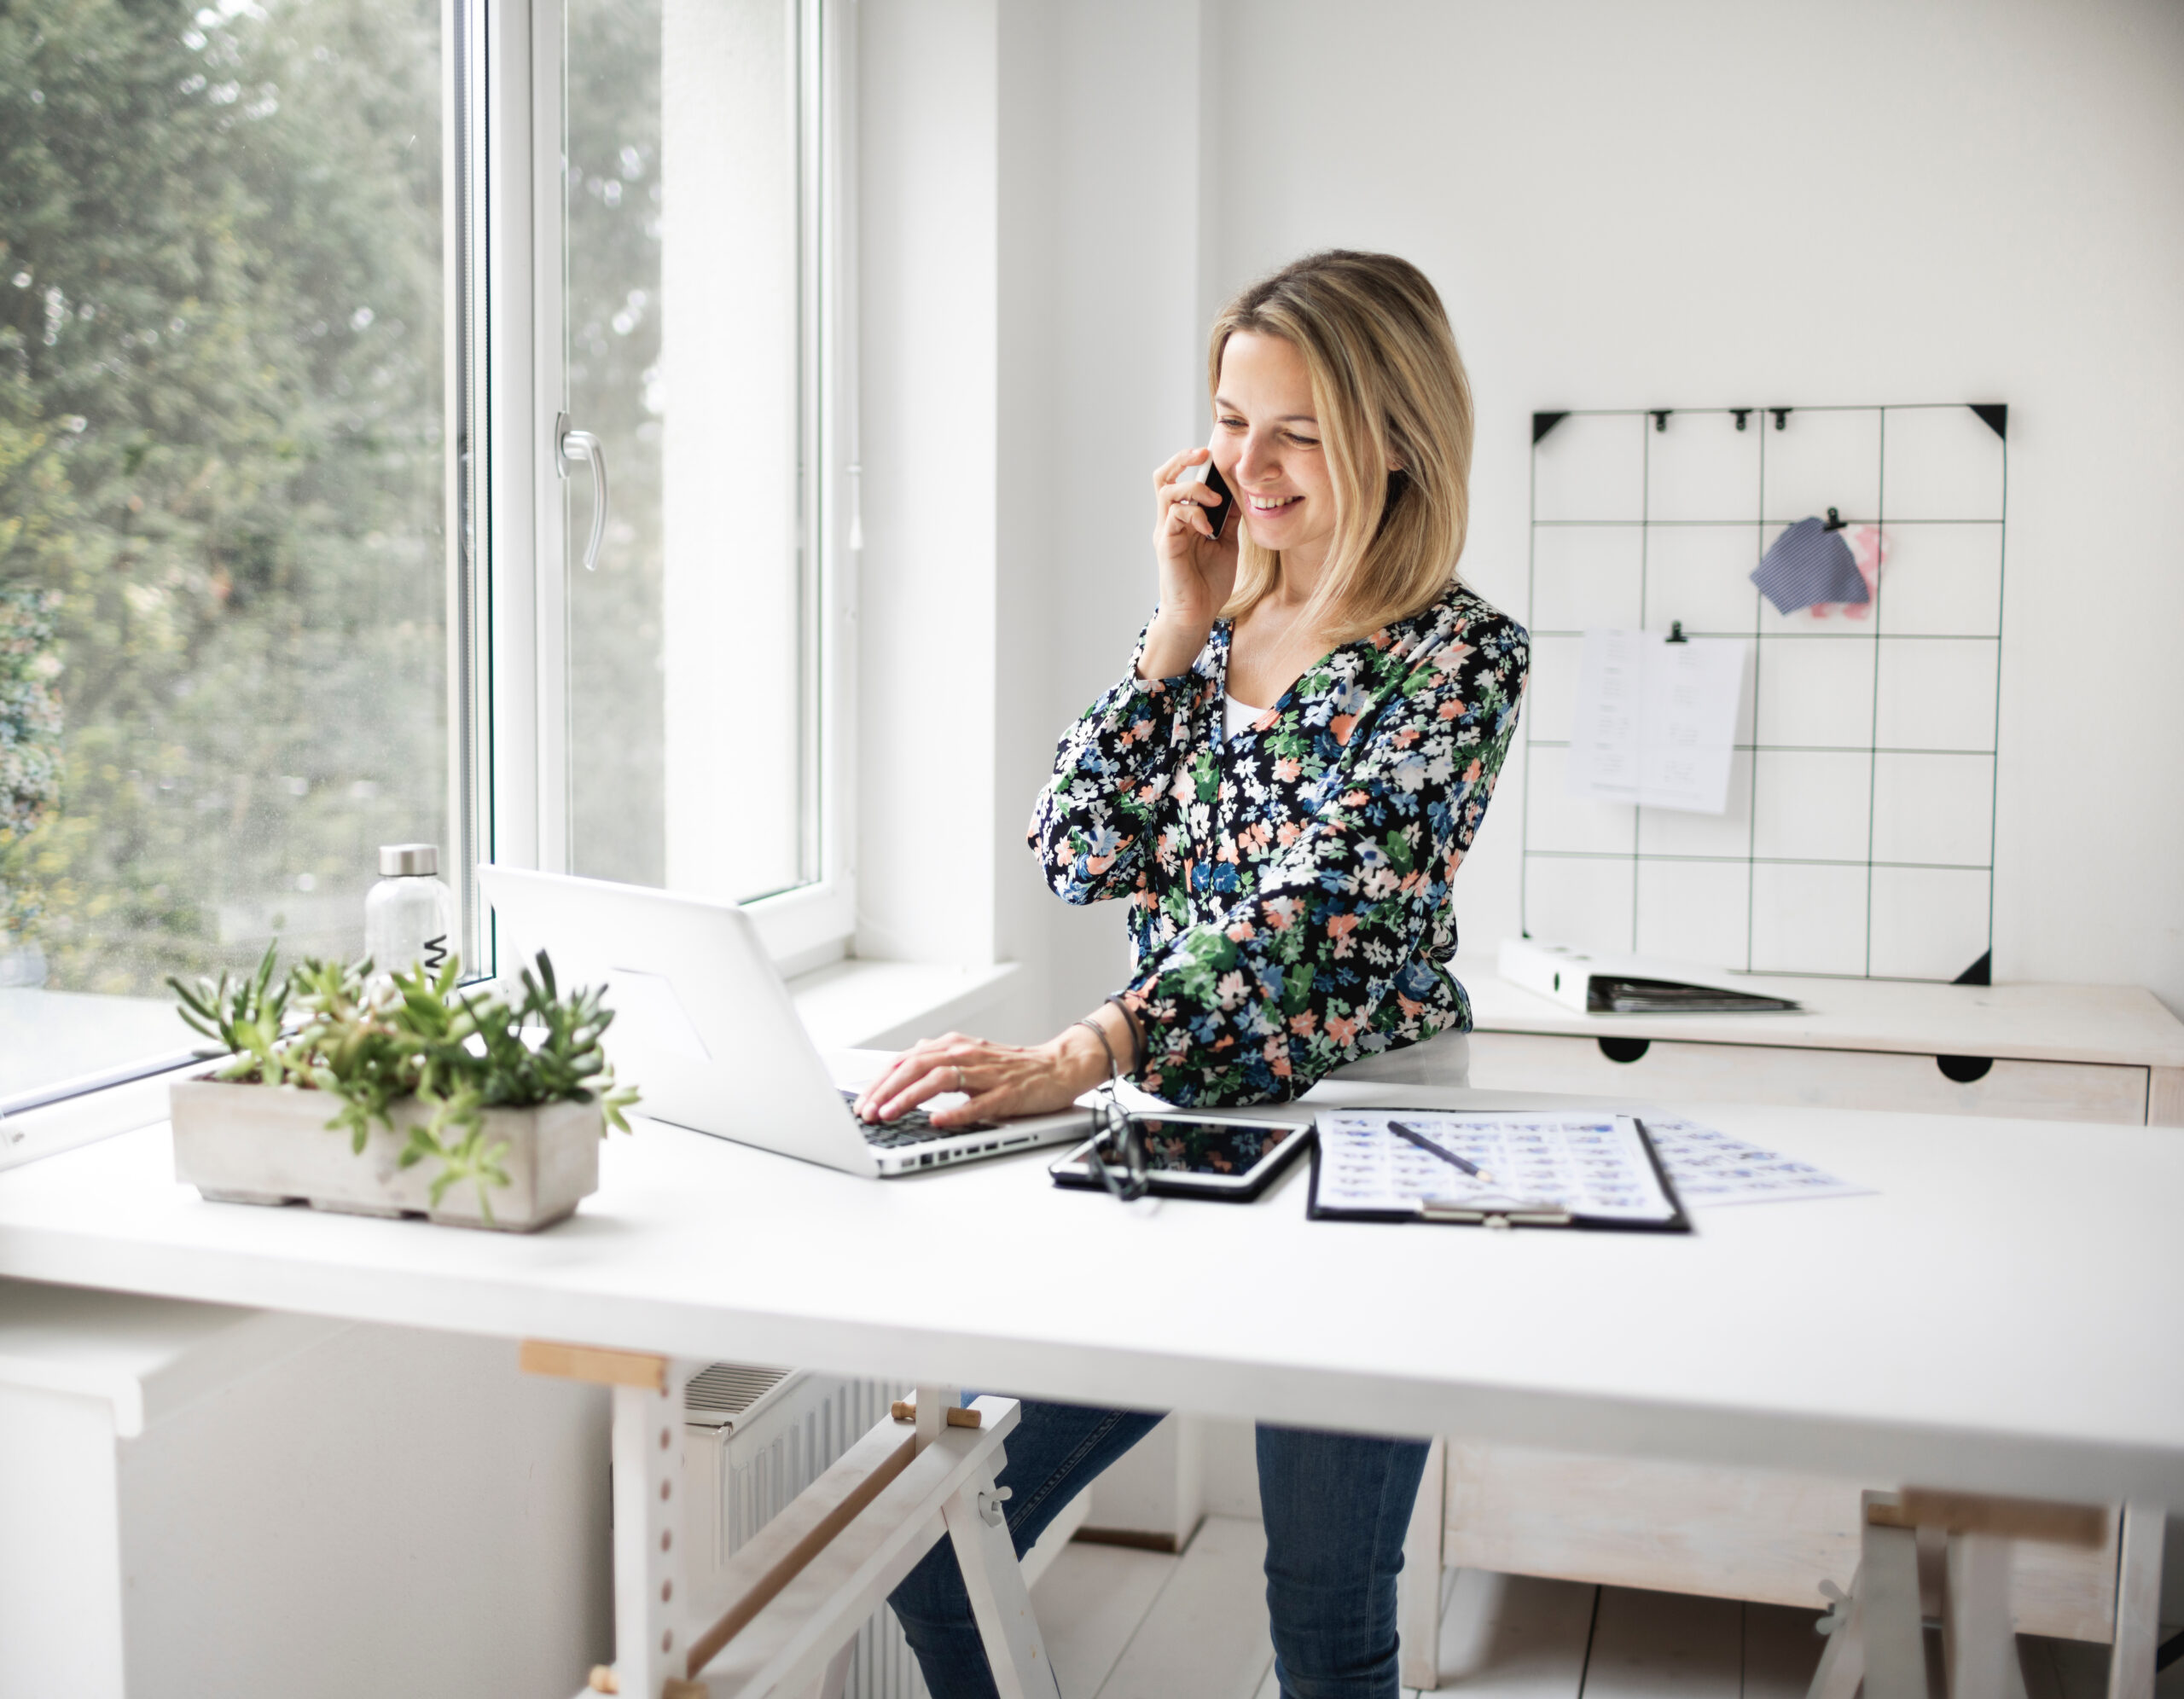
point(1587, 1171)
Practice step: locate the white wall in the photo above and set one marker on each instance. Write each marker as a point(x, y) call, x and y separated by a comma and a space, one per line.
point(927, 356)
point(1126, 349)
point(1678, 204)
point(1027, 336)
point(1697, 203)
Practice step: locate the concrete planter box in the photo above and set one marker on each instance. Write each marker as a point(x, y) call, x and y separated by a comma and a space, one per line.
point(247, 1144)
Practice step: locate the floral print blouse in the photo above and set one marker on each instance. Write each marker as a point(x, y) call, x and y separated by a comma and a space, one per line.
point(1289, 888)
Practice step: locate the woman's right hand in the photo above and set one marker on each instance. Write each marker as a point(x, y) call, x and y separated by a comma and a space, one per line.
point(1198, 569)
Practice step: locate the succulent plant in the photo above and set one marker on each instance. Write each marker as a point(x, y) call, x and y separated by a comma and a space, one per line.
point(373, 1039)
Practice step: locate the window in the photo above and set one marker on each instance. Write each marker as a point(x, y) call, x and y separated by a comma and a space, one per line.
point(688, 260)
point(221, 500)
point(292, 560)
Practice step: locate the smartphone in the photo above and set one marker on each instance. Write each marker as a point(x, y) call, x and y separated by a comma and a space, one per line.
point(1209, 474)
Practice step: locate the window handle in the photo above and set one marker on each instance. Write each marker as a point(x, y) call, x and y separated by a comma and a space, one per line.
point(581, 445)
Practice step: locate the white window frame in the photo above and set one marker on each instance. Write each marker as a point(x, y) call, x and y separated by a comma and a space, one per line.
point(507, 763)
point(519, 656)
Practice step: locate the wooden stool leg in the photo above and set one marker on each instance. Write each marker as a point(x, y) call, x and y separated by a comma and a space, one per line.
point(1982, 1643)
point(647, 1446)
point(978, 1527)
point(1894, 1639)
point(648, 1595)
point(1417, 1590)
point(933, 1403)
point(835, 1680)
point(2138, 1602)
point(1842, 1664)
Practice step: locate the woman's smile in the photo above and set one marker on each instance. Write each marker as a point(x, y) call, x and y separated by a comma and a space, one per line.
point(1276, 521)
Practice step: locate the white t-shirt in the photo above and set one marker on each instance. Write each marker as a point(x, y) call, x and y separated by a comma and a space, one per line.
point(1235, 715)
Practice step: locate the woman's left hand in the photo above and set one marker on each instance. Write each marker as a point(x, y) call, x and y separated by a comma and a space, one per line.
point(996, 1080)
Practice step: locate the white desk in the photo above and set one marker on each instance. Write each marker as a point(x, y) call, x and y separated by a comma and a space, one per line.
point(1986, 1323)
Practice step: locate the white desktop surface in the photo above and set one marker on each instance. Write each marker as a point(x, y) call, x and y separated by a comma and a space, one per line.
point(2001, 1317)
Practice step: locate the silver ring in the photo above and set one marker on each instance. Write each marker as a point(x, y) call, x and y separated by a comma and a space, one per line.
point(959, 1085)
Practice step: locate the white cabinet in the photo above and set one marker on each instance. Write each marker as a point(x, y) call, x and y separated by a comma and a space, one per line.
point(198, 1499)
point(1731, 1533)
point(1675, 1070)
point(2049, 1053)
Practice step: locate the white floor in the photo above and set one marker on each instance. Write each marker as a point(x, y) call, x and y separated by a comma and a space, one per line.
point(1122, 1624)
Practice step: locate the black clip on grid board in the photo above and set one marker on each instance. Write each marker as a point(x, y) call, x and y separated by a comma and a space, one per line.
point(1859, 839)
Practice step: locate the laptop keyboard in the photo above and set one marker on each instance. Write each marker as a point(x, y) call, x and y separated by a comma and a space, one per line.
point(914, 1129)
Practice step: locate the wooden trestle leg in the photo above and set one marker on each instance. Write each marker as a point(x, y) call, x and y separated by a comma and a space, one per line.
point(806, 1583)
point(1877, 1650)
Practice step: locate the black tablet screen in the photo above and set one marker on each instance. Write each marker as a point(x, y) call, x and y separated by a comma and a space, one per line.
point(1177, 1145)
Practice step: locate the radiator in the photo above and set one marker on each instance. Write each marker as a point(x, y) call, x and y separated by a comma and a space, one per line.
point(756, 1437)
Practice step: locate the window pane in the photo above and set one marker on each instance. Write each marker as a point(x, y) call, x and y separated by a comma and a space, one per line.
point(223, 572)
point(689, 648)
point(614, 212)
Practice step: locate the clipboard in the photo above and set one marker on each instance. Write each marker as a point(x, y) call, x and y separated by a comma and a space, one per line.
point(1611, 1178)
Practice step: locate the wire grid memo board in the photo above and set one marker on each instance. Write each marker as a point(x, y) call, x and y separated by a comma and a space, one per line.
point(1859, 838)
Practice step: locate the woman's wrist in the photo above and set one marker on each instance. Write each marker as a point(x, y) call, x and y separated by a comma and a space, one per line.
point(1081, 1060)
point(1171, 644)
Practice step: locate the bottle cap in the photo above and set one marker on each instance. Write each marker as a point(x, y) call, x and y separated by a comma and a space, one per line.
point(408, 861)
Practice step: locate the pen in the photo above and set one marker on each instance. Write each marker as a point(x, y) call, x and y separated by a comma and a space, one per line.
point(1425, 1144)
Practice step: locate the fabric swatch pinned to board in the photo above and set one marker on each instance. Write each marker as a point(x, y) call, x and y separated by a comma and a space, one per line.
point(1808, 565)
point(1869, 548)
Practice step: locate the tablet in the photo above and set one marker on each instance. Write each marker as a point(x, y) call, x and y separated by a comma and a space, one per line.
point(1189, 1156)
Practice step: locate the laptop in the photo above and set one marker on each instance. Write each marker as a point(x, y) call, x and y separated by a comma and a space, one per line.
point(706, 1030)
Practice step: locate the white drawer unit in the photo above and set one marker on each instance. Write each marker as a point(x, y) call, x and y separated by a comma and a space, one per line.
point(1726, 1532)
point(1678, 1070)
point(2047, 1053)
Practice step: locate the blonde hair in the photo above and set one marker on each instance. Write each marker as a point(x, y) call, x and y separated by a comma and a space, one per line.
point(1390, 390)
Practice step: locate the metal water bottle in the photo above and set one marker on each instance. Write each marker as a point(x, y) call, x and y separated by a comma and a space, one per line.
point(409, 914)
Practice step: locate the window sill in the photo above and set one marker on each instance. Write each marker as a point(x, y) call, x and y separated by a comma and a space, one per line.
point(54, 1127)
point(886, 1004)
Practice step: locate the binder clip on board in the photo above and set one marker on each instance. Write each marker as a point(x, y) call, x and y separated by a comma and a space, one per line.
point(1628, 985)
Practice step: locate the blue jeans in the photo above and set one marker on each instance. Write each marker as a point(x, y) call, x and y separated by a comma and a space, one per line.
point(1336, 1506)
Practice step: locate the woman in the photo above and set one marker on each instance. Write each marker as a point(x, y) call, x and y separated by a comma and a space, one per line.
point(1281, 789)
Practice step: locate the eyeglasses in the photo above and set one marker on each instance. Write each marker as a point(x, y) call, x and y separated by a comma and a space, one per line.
point(1112, 1127)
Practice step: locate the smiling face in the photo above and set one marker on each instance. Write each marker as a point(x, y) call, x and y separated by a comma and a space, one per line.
point(1266, 441)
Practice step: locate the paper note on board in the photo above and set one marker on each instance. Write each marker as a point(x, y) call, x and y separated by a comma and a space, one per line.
point(1656, 720)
